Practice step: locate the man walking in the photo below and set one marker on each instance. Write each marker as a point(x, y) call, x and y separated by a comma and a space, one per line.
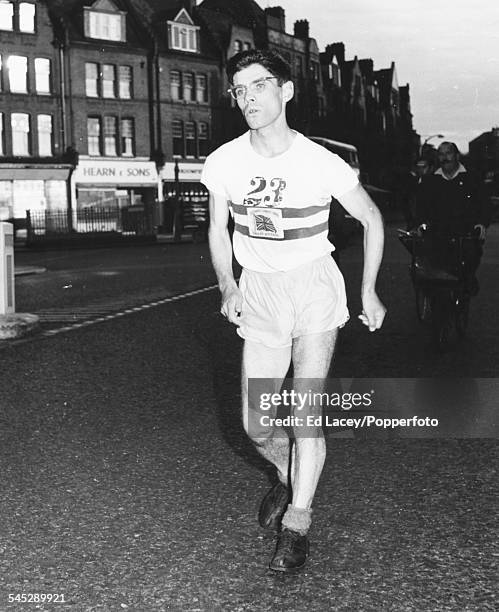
point(291, 298)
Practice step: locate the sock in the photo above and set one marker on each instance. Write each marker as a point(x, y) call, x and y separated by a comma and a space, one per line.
point(297, 519)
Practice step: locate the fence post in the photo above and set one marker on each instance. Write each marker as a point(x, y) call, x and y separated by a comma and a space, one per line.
point(7, 293)
point(177, 211)
point(29, 229)
point(12, 324)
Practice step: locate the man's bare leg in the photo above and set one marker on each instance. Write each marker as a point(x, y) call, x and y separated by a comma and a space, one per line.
point(260, 361)
point(312, 356)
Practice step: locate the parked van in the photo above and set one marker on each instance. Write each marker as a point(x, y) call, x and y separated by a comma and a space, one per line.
point(342, 226)
point(346, 151)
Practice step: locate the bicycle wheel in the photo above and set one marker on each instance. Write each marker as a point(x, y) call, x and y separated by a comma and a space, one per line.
point(462, 314)
point(423, 305)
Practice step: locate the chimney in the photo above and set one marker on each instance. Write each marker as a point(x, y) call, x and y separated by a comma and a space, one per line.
point(302, 29)
point(337, 49)
point(189, 5)
point(276, 18)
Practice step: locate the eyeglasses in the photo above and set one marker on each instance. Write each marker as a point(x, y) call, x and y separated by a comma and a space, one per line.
point(257, 87)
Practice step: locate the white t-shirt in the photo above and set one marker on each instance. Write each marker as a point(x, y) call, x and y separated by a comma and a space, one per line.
point(280, 204)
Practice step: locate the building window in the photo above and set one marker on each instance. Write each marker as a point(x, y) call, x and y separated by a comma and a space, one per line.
point(314, 68)
point(188, 83)
point(238, 46)
point(42, 75)
point(110, 137)
point(18, 73)
point(108, 81)
point(247, 46)
point(178, 138)
point(27, 17)
point(127, 138)
point(201, 88)
point(190, 139)
point(107, 26)
point(91, 80)
point(2, 146)
point(203, 139)
point(298, 65)
point(20, 134)
point(6, 15)
point(183, 37)
point(93, 135)
point(45, 135)
point(175, 84)
point(125, 77)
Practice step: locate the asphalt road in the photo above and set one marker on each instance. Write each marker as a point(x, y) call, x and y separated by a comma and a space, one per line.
point(128, 484)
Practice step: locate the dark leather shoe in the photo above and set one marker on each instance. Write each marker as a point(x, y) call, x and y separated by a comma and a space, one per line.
point(273, 506)
point(291, 552)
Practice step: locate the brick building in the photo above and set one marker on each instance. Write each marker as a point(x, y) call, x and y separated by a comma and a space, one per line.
point(33, 137)
point(185, 94)
point(106, 59)
point(115, 103)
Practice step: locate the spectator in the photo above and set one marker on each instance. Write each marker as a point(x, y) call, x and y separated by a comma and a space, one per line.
point(451, 202)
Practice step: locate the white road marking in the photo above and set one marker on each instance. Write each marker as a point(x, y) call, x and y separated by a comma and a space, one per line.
point(102, 315)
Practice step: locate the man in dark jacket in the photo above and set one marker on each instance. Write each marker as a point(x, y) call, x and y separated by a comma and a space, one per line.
point(451, 202)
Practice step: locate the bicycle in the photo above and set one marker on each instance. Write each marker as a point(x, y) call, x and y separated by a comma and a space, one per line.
point(442, 295)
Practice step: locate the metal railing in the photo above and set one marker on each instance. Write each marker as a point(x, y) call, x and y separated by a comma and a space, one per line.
point(128, 221)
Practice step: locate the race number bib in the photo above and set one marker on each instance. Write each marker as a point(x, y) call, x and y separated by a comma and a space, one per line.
point(265, 223)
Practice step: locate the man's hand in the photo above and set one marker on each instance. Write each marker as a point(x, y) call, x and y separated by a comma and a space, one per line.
point(373, 311)
point(481, 229)
point(232, 305)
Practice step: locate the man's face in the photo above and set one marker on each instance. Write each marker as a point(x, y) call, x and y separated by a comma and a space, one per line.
point(447, 158)
point(264, 101)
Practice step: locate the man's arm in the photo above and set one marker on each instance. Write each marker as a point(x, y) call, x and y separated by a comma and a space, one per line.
point(221, 257)
point(357, 203)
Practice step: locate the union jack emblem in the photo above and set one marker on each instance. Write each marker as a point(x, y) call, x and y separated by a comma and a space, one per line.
point(264, 224)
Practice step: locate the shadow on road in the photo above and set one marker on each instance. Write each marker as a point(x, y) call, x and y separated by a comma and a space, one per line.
point(214, 334)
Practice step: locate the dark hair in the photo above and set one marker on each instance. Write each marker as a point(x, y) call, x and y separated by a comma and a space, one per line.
point(452, 145)
point(269, 59)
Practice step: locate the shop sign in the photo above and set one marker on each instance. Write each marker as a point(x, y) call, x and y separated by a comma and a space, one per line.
point(186, 172)
point(116, 172)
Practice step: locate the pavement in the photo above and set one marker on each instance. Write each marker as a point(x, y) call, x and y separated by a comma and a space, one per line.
point(25, 270)
point(128, 483)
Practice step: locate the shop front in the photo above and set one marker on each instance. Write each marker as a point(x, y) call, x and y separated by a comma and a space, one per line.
point(182, 179)
point(37, 188)
point(107, 189)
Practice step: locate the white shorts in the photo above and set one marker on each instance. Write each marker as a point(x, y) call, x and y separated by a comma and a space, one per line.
point(280, 306)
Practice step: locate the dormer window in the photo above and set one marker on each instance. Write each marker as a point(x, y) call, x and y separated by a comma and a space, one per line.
point(104, 21)
point(183, 34)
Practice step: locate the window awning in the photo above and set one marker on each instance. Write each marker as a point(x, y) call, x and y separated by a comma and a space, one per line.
point(33, 173)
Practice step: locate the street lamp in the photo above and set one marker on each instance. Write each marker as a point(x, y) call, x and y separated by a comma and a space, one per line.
point(432, 136)
point(427, 140)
